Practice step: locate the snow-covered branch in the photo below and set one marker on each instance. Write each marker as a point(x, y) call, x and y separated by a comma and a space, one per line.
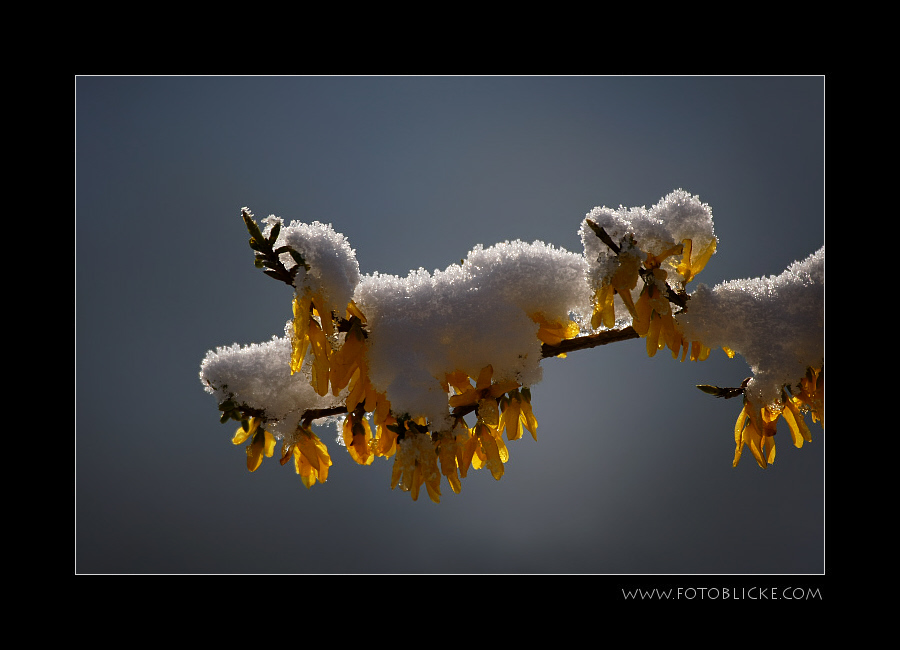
point(401, 362)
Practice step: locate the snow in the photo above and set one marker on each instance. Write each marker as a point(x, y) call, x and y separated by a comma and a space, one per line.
point(466, 317)
point(259, 376)
point(333, 270)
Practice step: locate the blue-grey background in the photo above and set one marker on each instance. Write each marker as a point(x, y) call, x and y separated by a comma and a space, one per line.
point(632, 470)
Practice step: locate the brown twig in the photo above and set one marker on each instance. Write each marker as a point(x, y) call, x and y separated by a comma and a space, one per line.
point(588, 341)
point(314, 414)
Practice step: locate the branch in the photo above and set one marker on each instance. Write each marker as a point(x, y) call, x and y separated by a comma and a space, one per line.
point(589, 341)
point(314, 414)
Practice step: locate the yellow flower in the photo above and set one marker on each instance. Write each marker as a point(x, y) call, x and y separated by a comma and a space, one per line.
point(308, 308)
point(415, 464)
point(491, 451)
point(699, 352)
point(466, 445)
point(385, 438)
point(357, 436)
point(313, 326)
point(349, 358)
point(484, 395)
point(794, 418)
point(262, 442)
point(552, 332)
point(755, 428)
point(310, 455)
point(655, 261)
point(604, 308)
point(516, 414)
point(690, 264)
point(362, 393)
point(652, 297)
point(450, 447)
point(812, 393)
point(625, 279)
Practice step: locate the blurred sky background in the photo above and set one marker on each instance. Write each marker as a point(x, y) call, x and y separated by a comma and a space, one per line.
point(632, 471)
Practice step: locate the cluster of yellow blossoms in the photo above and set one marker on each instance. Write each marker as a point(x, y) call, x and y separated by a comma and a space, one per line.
point(651, 314)
point(421, 456)
point(755, 426)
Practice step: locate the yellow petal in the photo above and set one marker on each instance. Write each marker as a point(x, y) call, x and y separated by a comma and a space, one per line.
point(345, 361)
point(326, 318)
point(484, 378)
point(509, 420)
point(490, 450)
point(324, 459)
point(677, 345)
point(668, 333)
point(307, 447)
point(739, 435)
point(385, 441)
point(396, 472)
point(526, 417)
point(796, 437)
point(458, 380)
point(470, 396)
point(699, 352)
point(626, 276)
point(488, 411)
point(656, 260)
point(699, 261)
point(653, 335)
point(434, 489)
point(268, 444)
point(753, 441)
point(604, 308)
point(300, 338)
point(382, 409)
point(308, 474)
point(357, 390)
point(353, 310)
point(255, 451)
point(502, 387)
point(416, 483)
point(465, 453)
point(803, 430)
point(320, 349)
point(684, 267)
point(642, 312)
point(769, 449)
point(240, 435)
